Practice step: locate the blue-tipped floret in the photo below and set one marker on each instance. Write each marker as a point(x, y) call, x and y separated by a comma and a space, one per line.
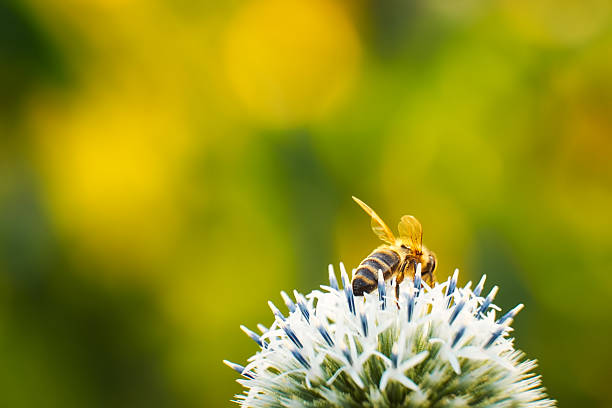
point(324, 333)
point(288, 301)
point(511, 314)
point(301, 302)
point(239, 369)
point(348, 289)
point(410, 306)
point(299, 357)
point(275, 311)
point(291, 334)
point(480, 285)
point(487, 302)
point(254, 336)
point(364, 323)
point(346, 353)
point(494, 337)
point(458, 336)
point(382, 290)
point(456, 312)
point(452, 285)
point(394, 355)
point(333, 282)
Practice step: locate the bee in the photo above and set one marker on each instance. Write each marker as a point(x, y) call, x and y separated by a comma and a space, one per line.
point(396, 257)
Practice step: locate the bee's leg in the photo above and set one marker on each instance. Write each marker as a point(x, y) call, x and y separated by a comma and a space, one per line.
point(430, 279)
point(424, 274)
point(428, 275)
point(397, 293)
point(397, 284)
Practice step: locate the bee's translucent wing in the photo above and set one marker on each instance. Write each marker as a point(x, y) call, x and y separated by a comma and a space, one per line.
point(378, 226)
point(410, 229)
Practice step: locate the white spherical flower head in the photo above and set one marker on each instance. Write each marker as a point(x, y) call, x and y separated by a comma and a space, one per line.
point(428, 347)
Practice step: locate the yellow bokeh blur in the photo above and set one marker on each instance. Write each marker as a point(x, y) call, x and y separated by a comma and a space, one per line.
point(291, 61)
point(566, 22)
point(110, 168)
point(167, 167)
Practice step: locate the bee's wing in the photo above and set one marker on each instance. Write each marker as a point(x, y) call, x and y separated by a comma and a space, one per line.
point(378, 226)
point(411, 230)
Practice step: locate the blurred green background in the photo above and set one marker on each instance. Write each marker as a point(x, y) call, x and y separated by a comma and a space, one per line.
point(168, 166)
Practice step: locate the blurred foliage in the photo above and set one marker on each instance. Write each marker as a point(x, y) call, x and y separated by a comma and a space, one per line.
point(168, 166)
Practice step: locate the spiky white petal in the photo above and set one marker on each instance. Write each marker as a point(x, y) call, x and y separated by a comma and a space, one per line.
point(440, 346)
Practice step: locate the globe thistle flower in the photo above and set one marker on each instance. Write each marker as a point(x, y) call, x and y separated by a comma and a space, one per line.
point(443, 346)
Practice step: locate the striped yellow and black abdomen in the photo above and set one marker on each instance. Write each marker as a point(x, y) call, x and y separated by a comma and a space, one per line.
point(366, 276)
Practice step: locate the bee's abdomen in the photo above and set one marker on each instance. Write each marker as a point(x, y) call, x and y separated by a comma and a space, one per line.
point(366, 276)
